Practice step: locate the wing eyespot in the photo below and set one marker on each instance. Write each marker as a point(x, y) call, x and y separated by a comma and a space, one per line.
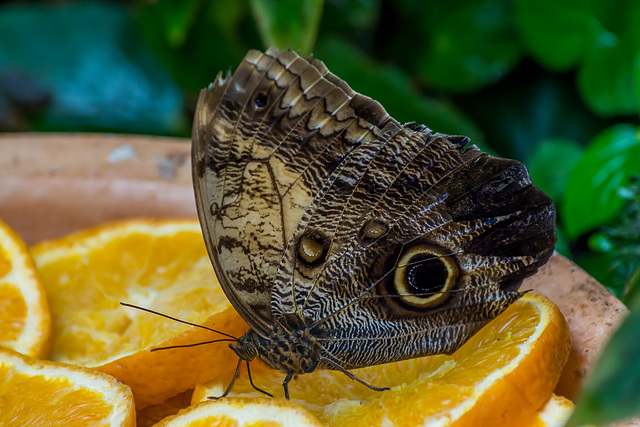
point(371, 230)
point(424, 277)
point(311, 249)
point(260, 101)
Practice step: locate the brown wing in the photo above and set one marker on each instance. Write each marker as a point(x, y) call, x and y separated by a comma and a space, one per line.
point(321, 212)
point(265, 140)
point(423, 244)
point(411, 244)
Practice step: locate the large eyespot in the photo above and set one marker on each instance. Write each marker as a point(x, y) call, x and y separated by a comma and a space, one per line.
point(424, 276)
point(310, 249)
point(260, 100)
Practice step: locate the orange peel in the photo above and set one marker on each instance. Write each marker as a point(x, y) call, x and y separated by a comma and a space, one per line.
point(25, 323)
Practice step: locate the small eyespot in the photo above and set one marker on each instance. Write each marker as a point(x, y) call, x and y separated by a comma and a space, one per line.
point(260, 100)
point(424, 277)
point(373, 229)
point(310, 249)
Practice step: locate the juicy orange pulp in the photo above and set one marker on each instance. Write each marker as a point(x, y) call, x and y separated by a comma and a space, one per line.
point(501, 376)
point(46, 393)
point(157, 264)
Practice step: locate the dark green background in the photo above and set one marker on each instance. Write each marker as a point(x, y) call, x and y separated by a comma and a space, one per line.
point(555, 84)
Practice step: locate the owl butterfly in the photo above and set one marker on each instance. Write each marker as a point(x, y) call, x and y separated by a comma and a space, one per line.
point(344, 238)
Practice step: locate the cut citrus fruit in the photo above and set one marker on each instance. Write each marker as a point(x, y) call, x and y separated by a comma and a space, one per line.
point(239, 412)
point(501, 376)
point(43, 393)
point(25, 323)
point(152, 414)
point(554, 413)
point(158, 264)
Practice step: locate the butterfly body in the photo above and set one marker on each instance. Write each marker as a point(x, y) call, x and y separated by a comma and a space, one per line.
point(344, 238)
point(296, 352)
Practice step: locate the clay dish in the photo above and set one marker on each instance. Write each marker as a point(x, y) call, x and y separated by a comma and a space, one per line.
point(51, 185)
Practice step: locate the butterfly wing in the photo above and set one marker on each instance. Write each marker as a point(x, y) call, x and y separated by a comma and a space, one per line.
point(420, 260)
point(410, 245)
point(264, 142)
point(322, 213)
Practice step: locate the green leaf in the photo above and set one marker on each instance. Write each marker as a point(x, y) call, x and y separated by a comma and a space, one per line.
point(551, 163)
point(103, 78)
point(614, 258)
point(457, 49)
point(601, 37)
point(610, 78)
point(560, 34)
point(393, 89)
point(604, 268)
point(592, 196)
point(288, 23)
point(612, 391)
point(173, 18)
point(218, 38)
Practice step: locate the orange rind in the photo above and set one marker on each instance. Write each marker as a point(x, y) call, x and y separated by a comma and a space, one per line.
point(43, 393)
point(25, 323)
point(239, 412)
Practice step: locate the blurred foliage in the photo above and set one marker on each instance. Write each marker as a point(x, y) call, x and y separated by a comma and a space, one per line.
point(82, 67)
point(600, 38)
point(553, 84)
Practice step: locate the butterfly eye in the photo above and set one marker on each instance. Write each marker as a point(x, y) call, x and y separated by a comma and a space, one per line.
point(260, 101)
point(310, 249)
point(424, 277)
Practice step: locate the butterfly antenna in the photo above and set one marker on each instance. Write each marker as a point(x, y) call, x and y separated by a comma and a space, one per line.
point(191, 345)
point(177, 320)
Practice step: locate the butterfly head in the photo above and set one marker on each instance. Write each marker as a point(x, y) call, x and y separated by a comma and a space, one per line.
point(247, 346)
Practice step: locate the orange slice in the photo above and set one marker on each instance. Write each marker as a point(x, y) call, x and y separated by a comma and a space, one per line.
point(500, 377)
point(158, 264)
point(25, 323)
point(554, 413)
point(43, 393)
point(239, 412)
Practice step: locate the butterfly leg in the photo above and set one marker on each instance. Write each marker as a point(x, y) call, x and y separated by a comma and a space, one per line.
point(285, 384)
point(233, 381)
point(253, 385)
point(350, 375)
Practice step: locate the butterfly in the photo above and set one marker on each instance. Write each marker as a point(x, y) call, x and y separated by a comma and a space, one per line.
point(344, 238)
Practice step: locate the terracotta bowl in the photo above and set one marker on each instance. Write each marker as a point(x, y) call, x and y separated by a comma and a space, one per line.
point(51, 185)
